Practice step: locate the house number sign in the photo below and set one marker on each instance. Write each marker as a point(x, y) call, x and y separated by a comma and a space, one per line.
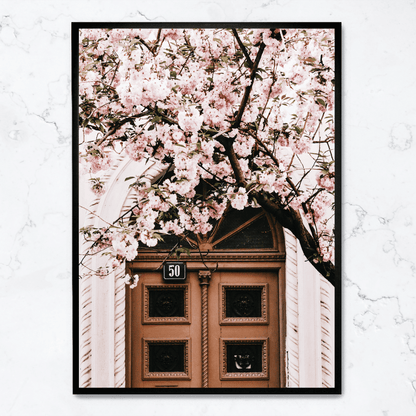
point(174, 270)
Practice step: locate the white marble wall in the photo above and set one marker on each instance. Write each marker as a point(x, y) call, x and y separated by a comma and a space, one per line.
point(379, 153)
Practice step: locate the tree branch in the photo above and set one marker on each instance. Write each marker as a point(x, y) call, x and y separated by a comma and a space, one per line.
point(120, 123)
point(243, 49)
point(292, 220)
point(287, 217)
point(243, 104)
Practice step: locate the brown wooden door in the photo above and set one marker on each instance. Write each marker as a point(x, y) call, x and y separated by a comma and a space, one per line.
point(243, 329)
point(236, 345)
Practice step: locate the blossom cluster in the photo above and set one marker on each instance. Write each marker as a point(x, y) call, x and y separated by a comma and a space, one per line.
point(188, 98)
point(132, 281)
point(98, 186)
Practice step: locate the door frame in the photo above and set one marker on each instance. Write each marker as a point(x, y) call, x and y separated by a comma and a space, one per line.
point(253, 260)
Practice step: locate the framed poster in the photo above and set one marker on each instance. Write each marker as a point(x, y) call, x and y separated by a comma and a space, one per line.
point(207, 163)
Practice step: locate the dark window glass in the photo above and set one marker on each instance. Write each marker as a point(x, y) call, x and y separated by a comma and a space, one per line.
point(166, 302)
point(235, 218)
point(256, 235)
point(166, 358)
point(244, 358)
point(242, 303)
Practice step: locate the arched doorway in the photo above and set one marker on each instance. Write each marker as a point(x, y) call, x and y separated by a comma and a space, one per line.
point(223, 326)
point(306, 321)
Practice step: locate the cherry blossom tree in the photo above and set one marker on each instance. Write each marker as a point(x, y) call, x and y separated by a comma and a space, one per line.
point(247, 112)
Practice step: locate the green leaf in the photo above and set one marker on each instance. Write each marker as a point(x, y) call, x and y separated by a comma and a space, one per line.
point(178, 252)
point(128, 178)
point(158, 237)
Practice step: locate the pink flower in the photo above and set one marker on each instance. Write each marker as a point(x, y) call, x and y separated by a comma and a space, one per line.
point(243, 145)
point(102, 272)
point(131, 280)
point(193, 78)
point(190, 120)
point(125, 246)
point(327, 182)
point(239, 200)
point(98, 187)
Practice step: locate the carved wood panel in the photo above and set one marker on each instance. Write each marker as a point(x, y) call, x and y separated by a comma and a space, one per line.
point(243, 304)
point(165, 304)
point(166, 359)
point(244, 359)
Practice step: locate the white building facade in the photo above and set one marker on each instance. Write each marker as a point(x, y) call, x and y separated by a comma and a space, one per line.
point(305, 342)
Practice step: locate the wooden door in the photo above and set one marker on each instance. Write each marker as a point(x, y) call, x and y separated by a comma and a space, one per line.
point(243, 329)
point(165, 332)
point(213, 330)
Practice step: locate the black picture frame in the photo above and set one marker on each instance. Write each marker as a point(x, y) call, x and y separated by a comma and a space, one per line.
point(337, 389)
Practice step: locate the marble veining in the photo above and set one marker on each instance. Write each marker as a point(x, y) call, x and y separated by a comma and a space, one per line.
point(379, 233)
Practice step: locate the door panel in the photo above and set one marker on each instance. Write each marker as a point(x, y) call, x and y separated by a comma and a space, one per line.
point(165, 333)
point(166, 326)
point(249, 338)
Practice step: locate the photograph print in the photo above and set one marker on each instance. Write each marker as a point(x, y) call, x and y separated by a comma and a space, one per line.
point(207, 252)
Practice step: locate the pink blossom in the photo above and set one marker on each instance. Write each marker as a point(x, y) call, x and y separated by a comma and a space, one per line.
point(326, 181)
point(98, 187)
point(190, 120)
point(125, 246)
point(102, 272)
point(115, 263)
point(243, 145)
point(131, 280)
point(172, 226)
point(239, 199)
point(96, 159)
point(195, 79)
